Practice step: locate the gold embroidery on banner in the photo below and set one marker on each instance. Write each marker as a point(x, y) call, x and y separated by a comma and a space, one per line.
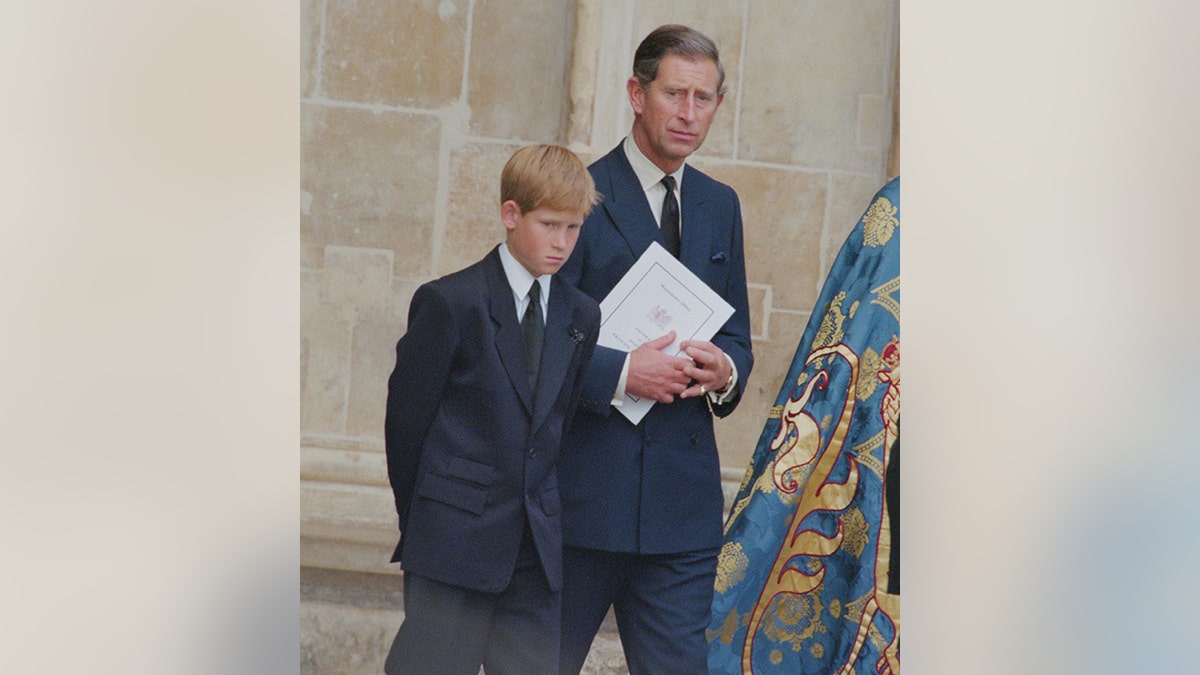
point(884, 297)
point(866, 457)
point(806, 453)
point(731, 566)
point(879, 222)
point(868, 375)
point(854, 524)
point(799, 432)
point(786, 580)
point(830, 331)
point(796, 618)
point(728, 629)
point(765, 484)
point(817, 650)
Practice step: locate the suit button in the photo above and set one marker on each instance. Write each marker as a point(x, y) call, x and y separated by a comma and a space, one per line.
point(532, 451)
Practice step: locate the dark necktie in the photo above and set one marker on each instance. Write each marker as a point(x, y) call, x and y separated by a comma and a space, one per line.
point(532, 327)
point(670, 217)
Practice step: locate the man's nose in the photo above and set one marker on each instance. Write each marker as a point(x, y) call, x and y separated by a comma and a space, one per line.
point(687, 107)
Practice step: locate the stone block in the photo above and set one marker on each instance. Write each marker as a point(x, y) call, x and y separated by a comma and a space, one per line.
point(760, 304)
point(341, 639)
point(352, 556)
point(874, 120)
point(358, 277)
point(311, 12)
point(473, 224)
point(343, 465)
point(516, 91)
point(850, 195)
point(372, 360)
point(325, 338)
point(345, 512)
point(312, 254)
point(807, 64)
point(373, 181)
point(720, 20)
point(401, 53)
point(783, 212)
point(402, 292)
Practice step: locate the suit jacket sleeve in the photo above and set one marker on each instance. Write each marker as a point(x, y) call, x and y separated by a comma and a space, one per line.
point(734, 336)
point(590, 351)
point(423, 359)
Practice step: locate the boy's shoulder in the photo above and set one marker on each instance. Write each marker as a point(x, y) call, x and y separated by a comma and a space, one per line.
point(468, 277)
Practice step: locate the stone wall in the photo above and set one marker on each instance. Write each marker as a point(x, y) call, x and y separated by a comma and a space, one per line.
point(409, 109)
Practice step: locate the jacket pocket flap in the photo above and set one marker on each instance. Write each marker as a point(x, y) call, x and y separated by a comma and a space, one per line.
point(455, 493)
point(472, 472)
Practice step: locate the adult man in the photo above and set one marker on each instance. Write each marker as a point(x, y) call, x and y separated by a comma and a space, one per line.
point(642, 503)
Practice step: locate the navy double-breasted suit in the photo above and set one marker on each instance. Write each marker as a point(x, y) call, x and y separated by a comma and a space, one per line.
point(642, 503)
point(654, 487)
point(471, 449)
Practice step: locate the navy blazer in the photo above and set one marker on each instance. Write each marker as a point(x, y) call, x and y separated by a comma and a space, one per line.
point(654, 487)
point(470, 449)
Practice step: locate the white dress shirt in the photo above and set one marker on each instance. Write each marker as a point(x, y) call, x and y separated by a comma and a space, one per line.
point(650, 177)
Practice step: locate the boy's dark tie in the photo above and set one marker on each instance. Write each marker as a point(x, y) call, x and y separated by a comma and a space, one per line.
point(532, 328)
point(670, 217)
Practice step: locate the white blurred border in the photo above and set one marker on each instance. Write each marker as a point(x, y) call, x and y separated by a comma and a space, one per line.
point(1050, 328)
point(148, 195)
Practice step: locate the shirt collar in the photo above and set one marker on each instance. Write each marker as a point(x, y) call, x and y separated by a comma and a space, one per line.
point(648, 175)
point(519, 278)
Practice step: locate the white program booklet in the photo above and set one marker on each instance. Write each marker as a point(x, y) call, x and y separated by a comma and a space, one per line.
point(657, 295)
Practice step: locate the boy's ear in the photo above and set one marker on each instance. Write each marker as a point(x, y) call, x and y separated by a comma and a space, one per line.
point(509, 213)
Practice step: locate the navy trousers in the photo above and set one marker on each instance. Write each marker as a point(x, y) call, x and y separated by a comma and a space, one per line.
point(662, 604)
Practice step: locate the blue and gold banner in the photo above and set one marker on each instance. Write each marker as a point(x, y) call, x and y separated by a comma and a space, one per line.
point(807, 582)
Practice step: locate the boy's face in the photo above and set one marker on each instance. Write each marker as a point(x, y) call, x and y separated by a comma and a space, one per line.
point(542, 239)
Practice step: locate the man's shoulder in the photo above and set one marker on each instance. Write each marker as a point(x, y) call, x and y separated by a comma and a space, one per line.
point(577, 298)
point(697, 179)
point(608, 161)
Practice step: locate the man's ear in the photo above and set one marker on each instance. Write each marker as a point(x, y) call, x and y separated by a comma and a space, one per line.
point(637, 95)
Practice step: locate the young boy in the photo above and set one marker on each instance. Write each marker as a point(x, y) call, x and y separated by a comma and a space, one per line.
point(486, 381)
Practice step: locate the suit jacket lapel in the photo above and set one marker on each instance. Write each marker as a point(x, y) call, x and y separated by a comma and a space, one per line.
point(693, 233)
point(557, 350)
point(625, 202)
point(508, 329)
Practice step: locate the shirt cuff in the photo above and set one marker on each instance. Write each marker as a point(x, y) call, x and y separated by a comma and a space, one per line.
point(718, 399)
point(619, 394)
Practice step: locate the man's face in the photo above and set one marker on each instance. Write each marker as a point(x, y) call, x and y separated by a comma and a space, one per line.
point(542, 239)
point(673, 113)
